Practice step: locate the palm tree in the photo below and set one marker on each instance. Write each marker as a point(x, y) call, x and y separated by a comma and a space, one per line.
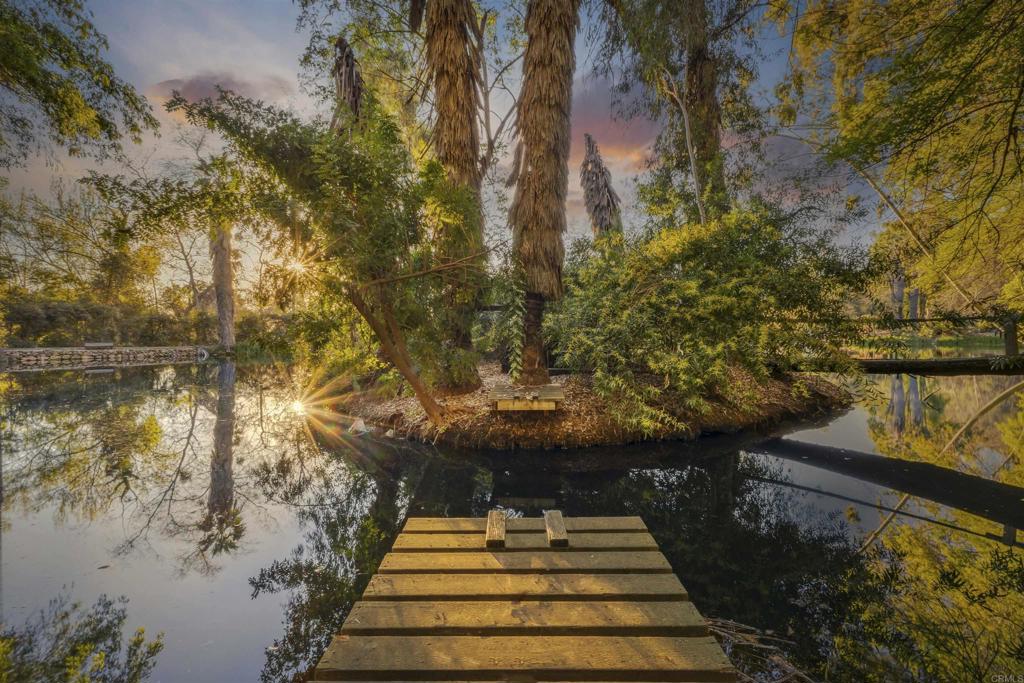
point(537, 213)
point(598, 194)
point(453, 61)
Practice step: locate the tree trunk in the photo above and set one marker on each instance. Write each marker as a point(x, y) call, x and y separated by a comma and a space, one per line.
point(535, 366)
point(913, 298)
point(897, 287)
point(537, 213)
point(454, 66)
point(224, 283)
point(393, 346)
point(1011, 347)
point(705, 114)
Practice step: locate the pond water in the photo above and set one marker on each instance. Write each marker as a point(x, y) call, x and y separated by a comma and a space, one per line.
point(222, 507)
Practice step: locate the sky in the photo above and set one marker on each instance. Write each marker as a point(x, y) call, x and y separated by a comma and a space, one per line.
point(253, 48)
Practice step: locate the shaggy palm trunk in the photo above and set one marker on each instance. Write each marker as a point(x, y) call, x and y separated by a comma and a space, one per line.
point(705, 114)
point(538, 209)
point(454, 65)
point(224, 283)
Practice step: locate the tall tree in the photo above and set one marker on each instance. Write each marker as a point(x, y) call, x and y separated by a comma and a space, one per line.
point(223, 281)
point(598, 194)
point(54, 83)
point(453, 60)
point(537, 213)
point(702, 109)
point(925, 100)
point(689, 63)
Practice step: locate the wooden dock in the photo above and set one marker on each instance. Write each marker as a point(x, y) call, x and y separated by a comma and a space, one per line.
point(95, 355)
point(539, 599)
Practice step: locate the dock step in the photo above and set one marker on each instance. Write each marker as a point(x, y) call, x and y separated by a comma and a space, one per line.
point(543, 599)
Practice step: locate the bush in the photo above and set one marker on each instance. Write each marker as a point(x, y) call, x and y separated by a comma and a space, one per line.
point(661, 319)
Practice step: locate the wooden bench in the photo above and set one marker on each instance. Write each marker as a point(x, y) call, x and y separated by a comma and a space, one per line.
point(552, 599)
point(508, 398)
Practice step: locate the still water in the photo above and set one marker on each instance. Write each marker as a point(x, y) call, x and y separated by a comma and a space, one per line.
point(211, 505)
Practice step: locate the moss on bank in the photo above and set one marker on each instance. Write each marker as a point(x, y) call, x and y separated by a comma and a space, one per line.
point(583, 420)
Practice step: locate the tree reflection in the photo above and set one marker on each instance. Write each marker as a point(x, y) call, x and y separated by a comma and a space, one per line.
point(350, 513)
point(67, 643)
point(222, 526)
point(955, 610)
point(137, 445)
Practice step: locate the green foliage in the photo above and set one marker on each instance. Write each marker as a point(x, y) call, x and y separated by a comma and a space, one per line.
point(927, 95)
point(502, 334)
point(55, 83)
point(661, 320)
point(381, 227)
point(66, 644)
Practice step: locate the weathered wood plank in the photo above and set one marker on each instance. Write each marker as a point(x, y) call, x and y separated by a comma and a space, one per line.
point(463, 542)
point(549, 391)
point(552, 561)
point(494, 538)
point(579, 658)
point(631, 587)
point(555, 528)
point(446, 525)
point(541, 617)
point(516, 404)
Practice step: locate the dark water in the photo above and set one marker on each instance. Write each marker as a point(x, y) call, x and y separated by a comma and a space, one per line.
point(232, 515)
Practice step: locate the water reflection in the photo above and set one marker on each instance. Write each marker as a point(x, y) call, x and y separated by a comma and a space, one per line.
point(210, 475)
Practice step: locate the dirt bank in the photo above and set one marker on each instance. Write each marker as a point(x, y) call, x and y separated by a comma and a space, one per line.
point(583, 421)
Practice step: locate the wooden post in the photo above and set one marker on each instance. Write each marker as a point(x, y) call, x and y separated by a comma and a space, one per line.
point(495, 536)
point(1010, 337)
point(555, 526)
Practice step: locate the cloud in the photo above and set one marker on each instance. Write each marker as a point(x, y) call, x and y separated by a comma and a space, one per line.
point(625, 145)
point(621, 141)
point(192, 88)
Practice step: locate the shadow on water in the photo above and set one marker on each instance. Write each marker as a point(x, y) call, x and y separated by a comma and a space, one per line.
point(208, 482)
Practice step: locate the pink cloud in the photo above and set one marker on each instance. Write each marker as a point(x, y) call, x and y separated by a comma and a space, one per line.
point(205, 84)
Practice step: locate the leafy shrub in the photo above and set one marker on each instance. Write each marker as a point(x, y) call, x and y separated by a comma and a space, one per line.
point(660, 320)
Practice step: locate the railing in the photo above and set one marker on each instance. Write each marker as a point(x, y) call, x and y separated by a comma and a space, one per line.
point(94, 356)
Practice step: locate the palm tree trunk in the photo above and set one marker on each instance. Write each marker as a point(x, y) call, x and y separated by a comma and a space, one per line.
point(537, 213)
point(224, 283)
point(535, 366)
point(454, 63)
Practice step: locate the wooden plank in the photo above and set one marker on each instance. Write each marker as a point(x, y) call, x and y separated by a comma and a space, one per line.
point(541, 617)
point(495, 536)
point(551, 391)
point(464, 542)
point(555, 527)
point(520, 587)
point(512, 404)
point(569, 658)
point(550, 561)
point(445, 525)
